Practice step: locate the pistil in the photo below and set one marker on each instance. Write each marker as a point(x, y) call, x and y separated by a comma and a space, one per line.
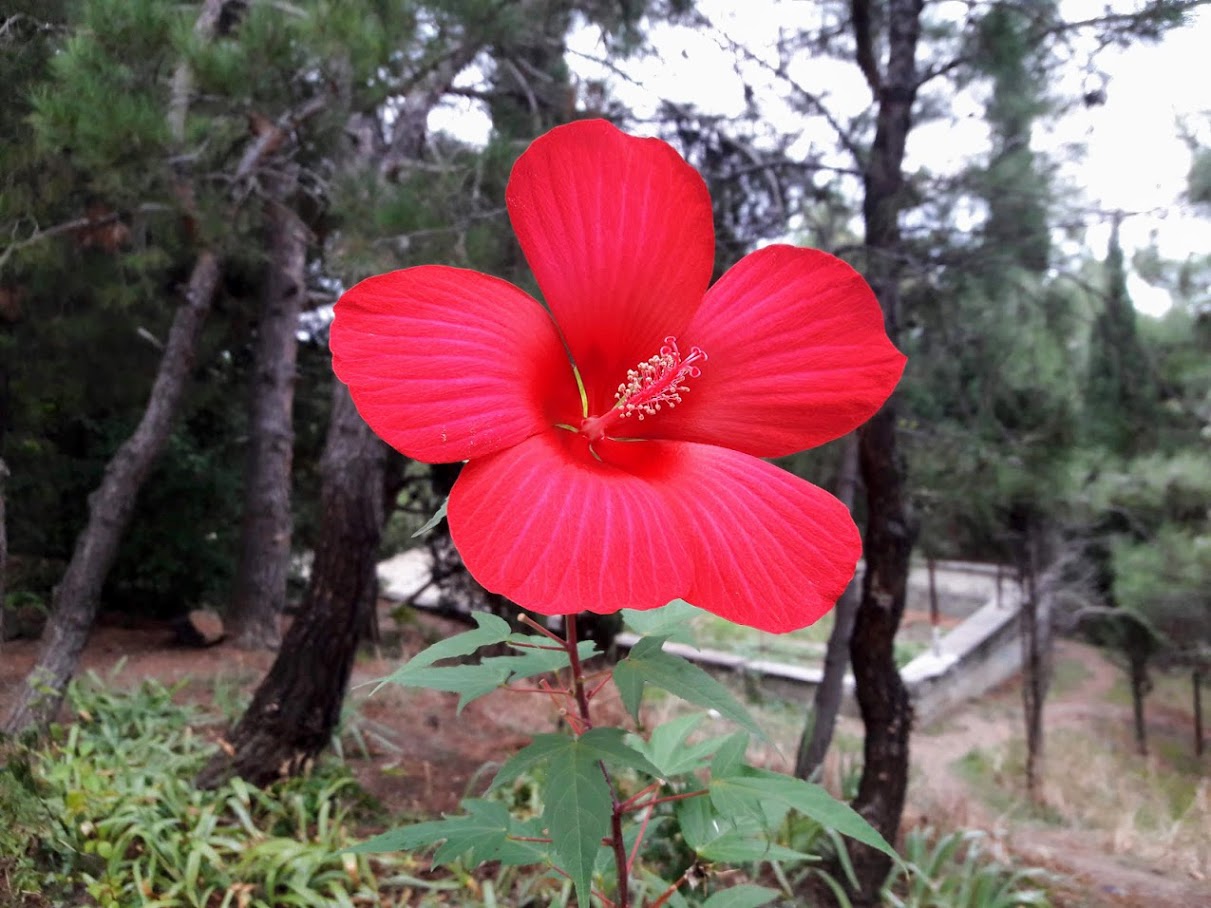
point(653, 385)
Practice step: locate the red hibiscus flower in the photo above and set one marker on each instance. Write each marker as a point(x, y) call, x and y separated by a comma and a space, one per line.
point(613, 443)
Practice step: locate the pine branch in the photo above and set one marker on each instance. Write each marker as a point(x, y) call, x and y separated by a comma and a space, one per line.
point(88, 222)
point(271, 138)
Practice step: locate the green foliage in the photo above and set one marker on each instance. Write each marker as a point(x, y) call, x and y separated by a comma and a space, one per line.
point(1121, 395)
point(1167, 582)
point(754, 791)
point(647, 663)
point(1149, 491)
point(957, 870)
point(108, 805)
point(537, 657)
point(582, 789)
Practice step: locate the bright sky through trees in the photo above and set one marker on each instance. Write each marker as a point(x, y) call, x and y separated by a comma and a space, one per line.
point(1134, 158)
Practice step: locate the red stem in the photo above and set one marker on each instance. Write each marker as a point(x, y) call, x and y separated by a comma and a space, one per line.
point(677, 797)
point(527, 620)
point(582, 701)
point(668, 893)
point(643, 828)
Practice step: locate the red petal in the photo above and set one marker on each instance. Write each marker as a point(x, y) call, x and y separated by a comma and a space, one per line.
point(797, 356)
point(618, 232)
point(558, 532)
point(446, 364)
point(770, 550)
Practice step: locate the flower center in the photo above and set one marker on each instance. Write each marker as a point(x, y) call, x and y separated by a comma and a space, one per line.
point(654, 384)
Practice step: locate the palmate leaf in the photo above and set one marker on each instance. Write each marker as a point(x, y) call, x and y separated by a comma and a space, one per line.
point(753, 791)
point(470, 681)
point(482, 834)
point(672, 621)
point(647, 663)
point(667, 747)
point(733, 840)
point(576, 794)
point(577, 814)
point(474, 681)
point(533, 661)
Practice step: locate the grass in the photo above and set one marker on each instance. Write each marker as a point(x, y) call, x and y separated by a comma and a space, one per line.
point(1068, 675)
point(105, 813)
point(1147, 808)
point(1170, 691)
point(805, 646)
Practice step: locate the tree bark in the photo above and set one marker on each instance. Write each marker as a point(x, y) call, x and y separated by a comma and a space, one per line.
point(1139, 689)
point(818, 735)
point(109, 511)
point(882, 697)
point(1035, 646)
point(297, 706)
point(4, 549)
point(1196, 684)
point(259, 595)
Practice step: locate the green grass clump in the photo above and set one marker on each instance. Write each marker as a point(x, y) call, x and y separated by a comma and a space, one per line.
point(959, 870)
point(106, 808)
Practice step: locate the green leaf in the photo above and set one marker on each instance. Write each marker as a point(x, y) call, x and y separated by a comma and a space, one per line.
point(746, 793)
point(672, 621)
point(597, 744)
point(608, 744)
point(575, 792)
point(469, 680)
point(745, 896)
point(730, 839)
point(491, 629)
point(533, 662)
point(541, 749)
point(438, 516)
point(647, 663)
point(482, 833)
point(667, 748)
point(729, 756)
point(577, 812)
point(740, 846)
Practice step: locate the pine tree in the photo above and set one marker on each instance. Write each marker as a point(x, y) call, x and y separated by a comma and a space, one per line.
point(1121, 395)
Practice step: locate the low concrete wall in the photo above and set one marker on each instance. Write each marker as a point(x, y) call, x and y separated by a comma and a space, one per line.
point(978, 654)
point(981, 653)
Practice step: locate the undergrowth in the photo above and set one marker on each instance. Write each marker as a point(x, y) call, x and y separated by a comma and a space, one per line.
point(105, 812)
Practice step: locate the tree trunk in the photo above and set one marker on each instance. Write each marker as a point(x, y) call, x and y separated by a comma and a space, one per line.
point(298, 705)
point(1196, 677)
point(882, 697)
point(1139, 690)
point(1035, 680)
point(818, 735)
point(109, 511)
point(259, 595)
point(4, 548)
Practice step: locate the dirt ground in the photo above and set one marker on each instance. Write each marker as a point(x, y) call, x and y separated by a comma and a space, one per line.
point(423, 758)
